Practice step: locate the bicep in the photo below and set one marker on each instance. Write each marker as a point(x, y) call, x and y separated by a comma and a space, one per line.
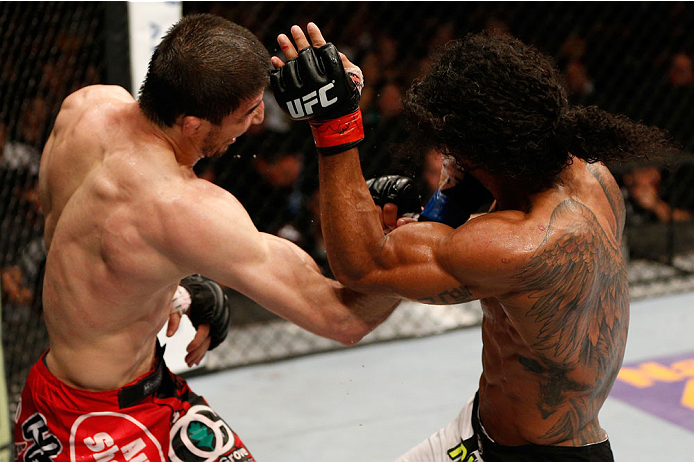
point(435, 264)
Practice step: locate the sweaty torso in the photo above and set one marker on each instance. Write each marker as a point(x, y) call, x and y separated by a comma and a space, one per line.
point(107, 287)
point(554, 341)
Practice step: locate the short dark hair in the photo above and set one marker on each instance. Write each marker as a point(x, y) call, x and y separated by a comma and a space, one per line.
point(205, 66)
point(498, 104)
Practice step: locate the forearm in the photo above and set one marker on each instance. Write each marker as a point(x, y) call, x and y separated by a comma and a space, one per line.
point(294, 288)
point(349, 218)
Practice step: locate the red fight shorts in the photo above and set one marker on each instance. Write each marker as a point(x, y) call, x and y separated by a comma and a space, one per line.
point(156, 418)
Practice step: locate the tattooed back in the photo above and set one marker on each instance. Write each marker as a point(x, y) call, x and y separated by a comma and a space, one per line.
point(554, 340)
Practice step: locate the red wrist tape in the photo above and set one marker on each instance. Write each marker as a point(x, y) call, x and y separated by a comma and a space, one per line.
point(337, 135)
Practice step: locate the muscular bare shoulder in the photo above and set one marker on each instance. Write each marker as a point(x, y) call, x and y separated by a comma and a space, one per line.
point(560, 240)
point(612, 192)
point(490, 249)
point(82, 111)
point(572, 285)
point(76, 143)
point(95, 94)
point(197, 224)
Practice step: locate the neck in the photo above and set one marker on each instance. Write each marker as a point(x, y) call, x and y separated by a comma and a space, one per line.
point(186, 152)
point(183, 148)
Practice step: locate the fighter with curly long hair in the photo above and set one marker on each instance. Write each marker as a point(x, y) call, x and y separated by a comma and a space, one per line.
point(545, 262)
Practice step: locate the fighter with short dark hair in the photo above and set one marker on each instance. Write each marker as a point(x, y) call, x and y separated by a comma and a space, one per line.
point(127, 220)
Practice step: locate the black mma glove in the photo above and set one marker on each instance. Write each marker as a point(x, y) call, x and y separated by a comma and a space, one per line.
point(314, 86)
point(398, 190)
point(208, 305)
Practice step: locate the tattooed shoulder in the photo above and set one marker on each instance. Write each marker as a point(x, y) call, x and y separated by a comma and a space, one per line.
point(611, 190)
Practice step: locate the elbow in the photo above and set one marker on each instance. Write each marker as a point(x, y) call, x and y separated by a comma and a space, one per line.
point(352, 334)
point(347, 328)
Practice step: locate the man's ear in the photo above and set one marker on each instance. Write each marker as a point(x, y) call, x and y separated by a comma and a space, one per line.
point(191, 126)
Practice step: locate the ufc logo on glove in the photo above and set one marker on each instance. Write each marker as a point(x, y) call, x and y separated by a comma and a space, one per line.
point(303, 106)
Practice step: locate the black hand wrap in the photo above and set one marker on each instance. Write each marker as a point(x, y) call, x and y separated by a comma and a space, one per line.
point(314, 86)
point(398, 190)
point(208, 305)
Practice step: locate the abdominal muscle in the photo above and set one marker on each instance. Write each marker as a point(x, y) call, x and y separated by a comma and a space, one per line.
point(102, 323)
point(514, 409)
point(97, 358)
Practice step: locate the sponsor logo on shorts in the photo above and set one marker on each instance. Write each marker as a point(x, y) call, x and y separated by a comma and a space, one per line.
point(200, 434)
point(464, 451)
point(112, 436)
point(42, 444)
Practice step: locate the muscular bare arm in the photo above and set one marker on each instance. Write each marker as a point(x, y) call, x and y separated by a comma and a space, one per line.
point(430, 262)
point(207, 231)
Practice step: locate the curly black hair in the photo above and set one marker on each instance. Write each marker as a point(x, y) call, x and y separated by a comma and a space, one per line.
point(498, 104)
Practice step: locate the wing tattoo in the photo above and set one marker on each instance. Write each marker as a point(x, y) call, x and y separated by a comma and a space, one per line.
point(578, 282)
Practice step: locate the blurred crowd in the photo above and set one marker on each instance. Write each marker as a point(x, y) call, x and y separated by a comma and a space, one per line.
point(272, 170)
point(393, 45)
point(36, 74)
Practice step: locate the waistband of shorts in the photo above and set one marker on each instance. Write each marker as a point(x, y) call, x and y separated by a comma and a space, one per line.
point(125, 396)
point(493, 451)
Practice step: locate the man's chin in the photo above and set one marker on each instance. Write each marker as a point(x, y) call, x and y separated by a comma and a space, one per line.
point(216, 154)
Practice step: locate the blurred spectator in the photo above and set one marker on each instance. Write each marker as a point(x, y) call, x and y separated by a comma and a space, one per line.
point(372, 77)
point(21, 151)
point(305, 231)
point(579, 84)
point(385, 128)
point(275, 119)
point(390, 101)
point(681, 72)
point(673, 100)
point(21, 241)
point(20, 281)
point(265, 179)
point(417, 63)
point(388, 59)
point(573, 48)
point(444, 33)
point(496, 26)
point(380, 64)
point(644, 188)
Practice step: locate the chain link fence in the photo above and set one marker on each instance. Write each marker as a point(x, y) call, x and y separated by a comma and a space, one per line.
point(47, 51)
point(630, 58)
